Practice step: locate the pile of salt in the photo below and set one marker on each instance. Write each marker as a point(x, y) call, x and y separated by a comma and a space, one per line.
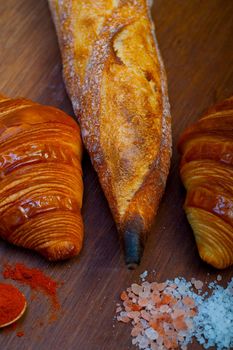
point(214, 321)
point(168, 315)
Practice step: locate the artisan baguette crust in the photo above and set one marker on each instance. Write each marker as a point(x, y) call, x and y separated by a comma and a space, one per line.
point(116, 81)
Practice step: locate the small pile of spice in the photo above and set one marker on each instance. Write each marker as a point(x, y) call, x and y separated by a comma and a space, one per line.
point(167, 315)
point(12, 303)
point(20, 334)
point(34, 278)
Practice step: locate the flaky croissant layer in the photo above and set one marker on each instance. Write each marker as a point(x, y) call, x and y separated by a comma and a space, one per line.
point(41, 186)
point(207, 174)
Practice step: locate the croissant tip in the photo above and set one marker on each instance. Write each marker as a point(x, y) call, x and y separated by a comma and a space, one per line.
point(133, 249)
point(62, 251)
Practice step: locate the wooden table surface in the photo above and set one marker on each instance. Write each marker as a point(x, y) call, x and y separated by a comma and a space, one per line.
point(195, 39)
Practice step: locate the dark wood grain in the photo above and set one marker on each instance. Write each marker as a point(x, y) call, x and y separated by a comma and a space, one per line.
point(195, 39)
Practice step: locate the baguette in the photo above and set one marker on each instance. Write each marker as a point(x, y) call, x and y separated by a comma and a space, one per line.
point(117, 84)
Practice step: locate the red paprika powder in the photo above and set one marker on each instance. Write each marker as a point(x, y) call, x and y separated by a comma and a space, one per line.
point(20, 334)
point(12, 303)
point(34, 278)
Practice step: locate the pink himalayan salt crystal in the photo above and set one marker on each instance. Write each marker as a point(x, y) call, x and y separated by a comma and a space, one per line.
point(155, 313)
point(145, 294)
point(118, 309)
point(133, 314)
point(191, 313)
point(136, 288)
point(127, 308)
point(180, 338)
point(178, 313)
point(179, 323)
point(173, 286)
point(154, 346)
point(136, 331)
point(165, 308)
point(155, 298)
point(153, 285)
point(124, 296)
point(160, 286)
point(142, 301)
point(126, 303)
point(131, 295)
point(146, 284)
point(124, 319)
point(189, 301)
point(198, 284)
point(146, 290)
point(150, 306)
point(145, 315)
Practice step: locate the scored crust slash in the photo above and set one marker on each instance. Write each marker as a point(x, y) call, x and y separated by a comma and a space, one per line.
point(117, 84)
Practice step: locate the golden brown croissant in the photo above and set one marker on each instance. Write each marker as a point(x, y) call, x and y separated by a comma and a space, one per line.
point(41, 186)
point(207, 173)
point(115, 78)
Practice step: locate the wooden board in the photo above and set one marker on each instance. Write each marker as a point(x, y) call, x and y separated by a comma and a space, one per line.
point(195, 39)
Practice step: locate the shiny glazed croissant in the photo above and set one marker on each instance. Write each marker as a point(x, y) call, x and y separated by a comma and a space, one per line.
point(116, 81)
point(41, 186)
point(207, 173)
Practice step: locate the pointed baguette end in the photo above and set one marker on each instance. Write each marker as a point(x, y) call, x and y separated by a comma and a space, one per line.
point(133, 249)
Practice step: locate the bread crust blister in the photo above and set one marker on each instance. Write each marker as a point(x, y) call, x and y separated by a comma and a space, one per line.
point(117, 84)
